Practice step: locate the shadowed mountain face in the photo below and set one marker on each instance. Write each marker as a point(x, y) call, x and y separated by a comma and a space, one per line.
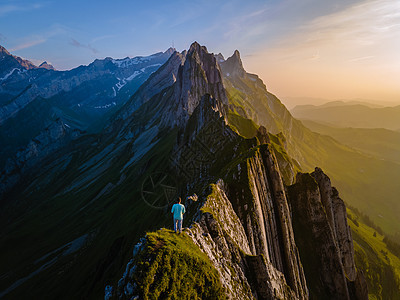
point(255, 227)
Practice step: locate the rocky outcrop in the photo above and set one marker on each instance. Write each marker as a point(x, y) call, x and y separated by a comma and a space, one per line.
point(337, 216)
point(261, 204)
point(324, 239)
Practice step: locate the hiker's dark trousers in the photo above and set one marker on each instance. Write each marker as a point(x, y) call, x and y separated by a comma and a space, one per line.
point(177, 225)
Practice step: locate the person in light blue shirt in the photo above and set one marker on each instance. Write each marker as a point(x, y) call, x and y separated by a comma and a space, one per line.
point(178, 210)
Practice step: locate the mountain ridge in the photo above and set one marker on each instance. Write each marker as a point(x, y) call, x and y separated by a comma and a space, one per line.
point(181, 133)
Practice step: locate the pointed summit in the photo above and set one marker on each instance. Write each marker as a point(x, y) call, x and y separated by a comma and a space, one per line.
point(170, 50)
point(233, 66)
point(195, 46)
point(46, 65)
point(199, 75)
point(220, 58)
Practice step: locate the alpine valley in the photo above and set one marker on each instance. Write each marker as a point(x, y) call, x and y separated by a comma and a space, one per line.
point(92, 159)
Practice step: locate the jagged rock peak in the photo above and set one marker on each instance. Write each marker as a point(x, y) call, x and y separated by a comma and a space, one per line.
point(46, 65)
point(207, 62)
point(220, 58)
point(195, 46)
point(170, 50)
point(233, 66)
point(236, 55)
point(199, 75)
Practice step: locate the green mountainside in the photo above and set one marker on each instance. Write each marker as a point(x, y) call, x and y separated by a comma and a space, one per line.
point(380, 265)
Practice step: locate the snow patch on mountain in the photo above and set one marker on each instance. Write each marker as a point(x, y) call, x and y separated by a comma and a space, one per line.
point(126, 62)
point(136, 73)
point(121, 83)
point(107, 105)
point(154, 65)
point(10, 73)
point(124, 81)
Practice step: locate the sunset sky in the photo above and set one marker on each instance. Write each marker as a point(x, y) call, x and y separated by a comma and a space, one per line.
point(339, 49)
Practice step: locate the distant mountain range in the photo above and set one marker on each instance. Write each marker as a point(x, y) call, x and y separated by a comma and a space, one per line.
point(39, 103)
point(344, 114)
point(77, 195)
point(291, 102)
point(379, 142)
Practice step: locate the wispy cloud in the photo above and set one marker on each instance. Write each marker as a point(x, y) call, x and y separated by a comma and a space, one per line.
point(365, 24)
point(102, 37)
point(368, 29)
point(29, 44)
point(245, 25)
point(39, 38)
point(361, 58)
point(6, 9)
point(77, 44)
point(353, 52)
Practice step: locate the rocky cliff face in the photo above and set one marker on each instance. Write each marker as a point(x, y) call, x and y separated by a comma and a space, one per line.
point(324, 239)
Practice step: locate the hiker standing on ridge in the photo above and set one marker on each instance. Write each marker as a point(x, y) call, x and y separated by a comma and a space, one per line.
point(178, 210)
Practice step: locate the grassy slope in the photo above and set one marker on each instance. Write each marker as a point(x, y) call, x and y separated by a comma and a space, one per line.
point(380, 266)
point(378, 142)
point(245, 127)
point(171, 266)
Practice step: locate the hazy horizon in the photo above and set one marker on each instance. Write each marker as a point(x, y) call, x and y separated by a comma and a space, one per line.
point(342, 50)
